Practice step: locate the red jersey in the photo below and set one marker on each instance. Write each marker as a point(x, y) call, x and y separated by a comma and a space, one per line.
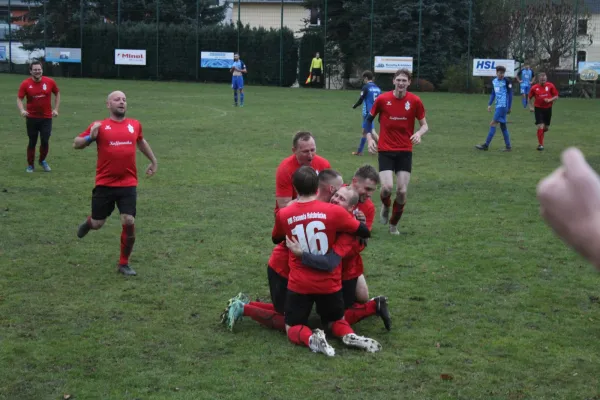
point(285, 170)
point(117, 144)
point(397, 120)
point(279, 260)
point(352, 263)
point(315, 225)
point(542, 93)
point(39, 96)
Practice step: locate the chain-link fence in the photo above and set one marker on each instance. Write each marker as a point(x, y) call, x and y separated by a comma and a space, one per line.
point(449, 44)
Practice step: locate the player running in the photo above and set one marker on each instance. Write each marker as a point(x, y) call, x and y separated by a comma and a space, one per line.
point(237, 79)
point(545, 94)
point(368, 94)
point(525, 77)
point(39, 113)
point(398, 111)
point(503, 94)
point(117, 138)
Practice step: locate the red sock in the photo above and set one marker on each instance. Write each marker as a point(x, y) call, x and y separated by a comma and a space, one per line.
point(44, 152)
point(127, 241)
point(359, 311)
point(88, 221)
point(269, 318)
point(264, 306)
point(30, 156)
point(299, 334)
point(397, 212)
point(341, 328)
point(540, 135)
point(387, 201)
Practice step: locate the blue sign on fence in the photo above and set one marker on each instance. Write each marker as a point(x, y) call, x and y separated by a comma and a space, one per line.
point(63, 55)
point(216, 59)
point(2, 53)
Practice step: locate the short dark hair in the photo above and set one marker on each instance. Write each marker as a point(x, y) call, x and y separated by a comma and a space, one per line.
point(368, 74)
point(305, 181)
point(500, 68)
point(367, 172)
point(328, 175)
point(404, 71)
point(301, 136)
point(35, 62)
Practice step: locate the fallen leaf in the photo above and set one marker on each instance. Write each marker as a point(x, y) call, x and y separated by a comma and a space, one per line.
point(66, 397)
point(437, 345)
point(447, 377)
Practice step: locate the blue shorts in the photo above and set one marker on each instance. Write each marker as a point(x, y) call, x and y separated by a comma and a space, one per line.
point(525, 89)
point(237, 82)
point(500, 115)
point(366, 125)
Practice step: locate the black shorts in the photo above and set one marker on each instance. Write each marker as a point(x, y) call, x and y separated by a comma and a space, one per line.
point(41, 126)
point(543, 116)
point(330, 307)
point(395, 161)
point(278, 288)
point(316, 72)
point(349, 291)
point(104, 199)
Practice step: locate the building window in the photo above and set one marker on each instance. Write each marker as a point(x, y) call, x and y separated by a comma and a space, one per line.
point(582, 27)
point(315, 16)
point(581, 56)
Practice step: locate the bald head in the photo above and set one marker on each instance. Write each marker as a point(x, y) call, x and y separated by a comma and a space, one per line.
point(117, 105)
point(345, 197)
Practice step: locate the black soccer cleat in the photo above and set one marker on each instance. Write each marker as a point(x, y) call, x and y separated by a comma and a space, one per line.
point(383, 312)
point(507, 149)
point(540, 148)
point(483, 147)
point(83, 229)
point(126, 270)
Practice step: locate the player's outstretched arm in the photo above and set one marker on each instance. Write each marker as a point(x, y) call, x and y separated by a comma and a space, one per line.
point(147, 150)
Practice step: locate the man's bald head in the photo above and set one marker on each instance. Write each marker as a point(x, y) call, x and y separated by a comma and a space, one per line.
point(116, 102)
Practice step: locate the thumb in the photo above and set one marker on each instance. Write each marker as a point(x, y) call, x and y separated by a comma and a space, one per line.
point(579, 172)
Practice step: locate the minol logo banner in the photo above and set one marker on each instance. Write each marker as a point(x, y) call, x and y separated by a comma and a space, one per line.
point(487, 67)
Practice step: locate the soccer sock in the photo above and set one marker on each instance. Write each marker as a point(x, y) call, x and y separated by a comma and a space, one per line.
point(44, 151)
point(235, 96)
point(361, 146)
point(127, 241)
point(397, 212)
point(504, 129)
point(358, 311)
point(264, 306)
point(341, 328)
point(525, 102)
point(300, 334)
point(540, 135)
point(30, 155)
point(387, 200)
point(242, 98)
point(269, 318)
point(490, 135)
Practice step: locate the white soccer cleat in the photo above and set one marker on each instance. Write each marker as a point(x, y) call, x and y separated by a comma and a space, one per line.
point(394, 230)
point(361, 342)
point(384, 215)
point(318, 343)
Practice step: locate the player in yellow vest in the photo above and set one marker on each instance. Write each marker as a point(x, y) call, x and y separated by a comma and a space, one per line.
point(316, 69)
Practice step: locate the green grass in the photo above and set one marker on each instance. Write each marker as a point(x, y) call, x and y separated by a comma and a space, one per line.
point(479, 287)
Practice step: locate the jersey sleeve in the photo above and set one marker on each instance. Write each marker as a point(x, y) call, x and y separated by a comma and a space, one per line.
point(283, 183)
point(87, 131)
point(420, 111)
point(376, 107)
point(344, 245)
point(55, 89)
point(22, 90)
point(278, 233)
point(554, 91)
point(532, 92)
point(370, 216)
point(140, 134)
point(345, 222)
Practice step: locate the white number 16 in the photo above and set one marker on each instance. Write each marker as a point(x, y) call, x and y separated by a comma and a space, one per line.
point(312, 240)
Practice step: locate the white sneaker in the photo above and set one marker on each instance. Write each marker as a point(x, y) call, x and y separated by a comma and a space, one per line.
point(361, 342)
point(318, 343)
point(384, 215)
point(394, 230)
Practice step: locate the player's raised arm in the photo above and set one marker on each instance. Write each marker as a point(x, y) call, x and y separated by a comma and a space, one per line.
point(86, 138)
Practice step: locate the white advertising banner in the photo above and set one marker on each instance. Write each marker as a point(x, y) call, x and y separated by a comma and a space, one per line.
point(130, 57)
point(487, 67)
point(389, 64)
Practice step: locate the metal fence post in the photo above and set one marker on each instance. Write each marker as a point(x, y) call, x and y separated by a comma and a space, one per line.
point(281, 48)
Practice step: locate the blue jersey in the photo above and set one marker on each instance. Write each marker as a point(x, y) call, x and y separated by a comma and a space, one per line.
point(502, 93)
point(368, 94)
point(239, 65)
point(526, 76)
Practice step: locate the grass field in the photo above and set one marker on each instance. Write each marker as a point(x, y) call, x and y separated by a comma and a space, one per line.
point(479, 287)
